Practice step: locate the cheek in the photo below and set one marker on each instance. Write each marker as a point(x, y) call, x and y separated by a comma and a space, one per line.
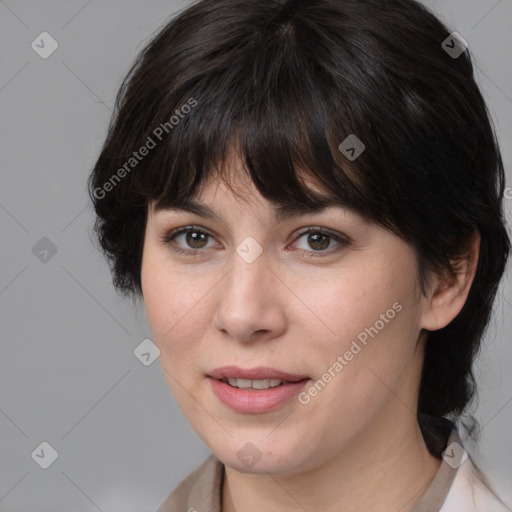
point(361, 300)
point(161, 296)
point(376, 325)
point(366, 336)
point(176, 308)
point(163, 292)
point(175, 329)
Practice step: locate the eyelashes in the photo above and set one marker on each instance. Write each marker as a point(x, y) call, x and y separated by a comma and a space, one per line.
point(312, 235)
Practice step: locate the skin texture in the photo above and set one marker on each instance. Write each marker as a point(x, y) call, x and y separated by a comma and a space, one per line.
point(356, 445)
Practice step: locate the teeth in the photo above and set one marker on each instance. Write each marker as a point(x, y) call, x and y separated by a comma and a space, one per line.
point(254, 384)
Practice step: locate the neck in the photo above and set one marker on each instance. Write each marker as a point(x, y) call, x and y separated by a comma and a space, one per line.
point(384, 469)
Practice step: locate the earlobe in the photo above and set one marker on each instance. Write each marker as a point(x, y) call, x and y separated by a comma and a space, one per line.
point(448, 294)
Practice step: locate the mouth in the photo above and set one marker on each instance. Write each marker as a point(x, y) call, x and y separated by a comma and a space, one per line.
point(255, 390)
point(254, 385)
point(254, 378)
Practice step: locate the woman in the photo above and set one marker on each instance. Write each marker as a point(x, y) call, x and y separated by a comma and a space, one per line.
point(307, 196)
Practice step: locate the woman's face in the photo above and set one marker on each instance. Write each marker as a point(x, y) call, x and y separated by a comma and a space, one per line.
point(339, 307)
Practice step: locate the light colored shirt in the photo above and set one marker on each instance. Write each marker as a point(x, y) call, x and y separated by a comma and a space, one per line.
point(456, 487)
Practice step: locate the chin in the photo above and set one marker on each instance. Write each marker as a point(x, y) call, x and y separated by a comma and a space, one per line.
point(258, 458)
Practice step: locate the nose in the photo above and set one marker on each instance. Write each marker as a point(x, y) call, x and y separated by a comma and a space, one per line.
point(250, 303)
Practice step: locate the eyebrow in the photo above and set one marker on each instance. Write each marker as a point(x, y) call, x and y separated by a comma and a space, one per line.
point(282, 212)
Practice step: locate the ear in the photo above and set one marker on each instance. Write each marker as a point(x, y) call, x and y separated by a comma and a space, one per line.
point(447, 295)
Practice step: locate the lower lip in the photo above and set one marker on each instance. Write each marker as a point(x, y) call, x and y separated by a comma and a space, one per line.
point(256, 401)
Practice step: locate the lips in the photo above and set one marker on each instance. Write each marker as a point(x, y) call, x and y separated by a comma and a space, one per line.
point(260, 397)
point(259, 373)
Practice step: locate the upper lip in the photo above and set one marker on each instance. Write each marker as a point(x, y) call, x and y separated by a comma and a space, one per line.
point(259, 373)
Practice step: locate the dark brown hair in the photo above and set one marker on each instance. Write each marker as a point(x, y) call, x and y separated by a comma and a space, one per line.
point(284, 83)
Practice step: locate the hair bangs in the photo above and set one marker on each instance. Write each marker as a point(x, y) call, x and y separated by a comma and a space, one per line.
point(273, 121)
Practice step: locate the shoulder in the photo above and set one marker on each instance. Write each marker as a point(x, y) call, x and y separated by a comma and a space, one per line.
point(200, 490)
point(470, 493)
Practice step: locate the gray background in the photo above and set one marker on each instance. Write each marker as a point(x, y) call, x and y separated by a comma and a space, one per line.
point(68, 372)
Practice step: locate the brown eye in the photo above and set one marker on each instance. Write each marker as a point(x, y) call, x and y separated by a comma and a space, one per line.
point(196, 239)
point(188, 240)
point(320, 241)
